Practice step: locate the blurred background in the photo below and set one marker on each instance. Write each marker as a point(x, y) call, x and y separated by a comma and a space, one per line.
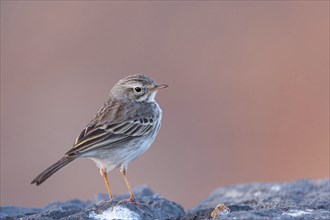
point(248, 99)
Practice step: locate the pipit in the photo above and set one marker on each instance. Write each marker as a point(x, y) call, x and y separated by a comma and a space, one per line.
point(122, 130)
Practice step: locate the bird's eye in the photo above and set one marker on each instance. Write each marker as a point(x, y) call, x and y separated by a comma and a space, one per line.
point(137, 89)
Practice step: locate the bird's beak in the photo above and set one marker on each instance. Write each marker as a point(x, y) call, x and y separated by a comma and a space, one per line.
point(159, 86)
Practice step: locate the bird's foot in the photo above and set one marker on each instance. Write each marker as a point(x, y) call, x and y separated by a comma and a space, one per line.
point(132, 201)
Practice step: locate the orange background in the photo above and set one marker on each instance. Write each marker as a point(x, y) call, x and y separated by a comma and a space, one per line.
point(248, 99)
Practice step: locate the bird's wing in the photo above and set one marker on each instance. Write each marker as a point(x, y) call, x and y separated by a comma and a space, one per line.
point(110, 135)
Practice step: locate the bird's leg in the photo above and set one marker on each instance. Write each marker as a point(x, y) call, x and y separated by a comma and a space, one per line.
point(105, 176)
point(132, 197)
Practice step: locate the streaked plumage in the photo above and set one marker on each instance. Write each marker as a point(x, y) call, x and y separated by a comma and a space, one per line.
point(122, 130)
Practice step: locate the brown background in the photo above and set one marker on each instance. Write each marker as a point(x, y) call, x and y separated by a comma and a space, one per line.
point(248, 99)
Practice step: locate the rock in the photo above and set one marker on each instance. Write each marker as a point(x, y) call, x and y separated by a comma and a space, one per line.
point(9, 212)
point(150, 206)
point(304, 199)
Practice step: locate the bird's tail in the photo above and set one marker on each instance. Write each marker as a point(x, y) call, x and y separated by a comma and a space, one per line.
point(52, 169)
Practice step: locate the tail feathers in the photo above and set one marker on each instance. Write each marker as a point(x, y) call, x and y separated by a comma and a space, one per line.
point(52, 169)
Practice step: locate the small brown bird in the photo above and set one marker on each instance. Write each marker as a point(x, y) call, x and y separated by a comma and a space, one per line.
point(122, 130)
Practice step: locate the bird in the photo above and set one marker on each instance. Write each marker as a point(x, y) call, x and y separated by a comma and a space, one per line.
point(121, 131)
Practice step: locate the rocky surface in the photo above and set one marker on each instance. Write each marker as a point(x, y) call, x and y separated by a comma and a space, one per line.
point(150, 206)
point(304, 199)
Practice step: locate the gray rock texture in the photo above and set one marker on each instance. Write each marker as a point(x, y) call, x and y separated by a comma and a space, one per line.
point(149, 206)
point(304, 199)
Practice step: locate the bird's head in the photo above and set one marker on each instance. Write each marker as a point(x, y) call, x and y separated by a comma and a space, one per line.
point(136, 88)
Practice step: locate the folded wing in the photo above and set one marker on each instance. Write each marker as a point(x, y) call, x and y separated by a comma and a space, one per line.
point(110, 135)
